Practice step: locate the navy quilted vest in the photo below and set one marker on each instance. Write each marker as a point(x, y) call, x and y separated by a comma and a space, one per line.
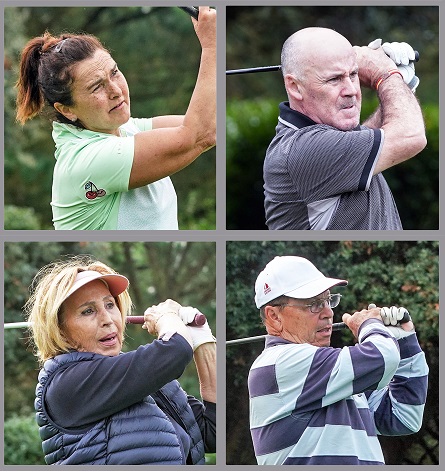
point(138, 435)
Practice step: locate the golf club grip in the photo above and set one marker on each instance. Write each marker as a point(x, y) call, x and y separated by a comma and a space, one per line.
point(340, 326)
point(192, 11)
point(199, 320)
point(416, 56)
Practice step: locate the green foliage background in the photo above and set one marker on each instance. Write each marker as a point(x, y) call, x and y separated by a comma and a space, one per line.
point(157, 50)
point(183, 271)
point(255, 36)
point(382, 272)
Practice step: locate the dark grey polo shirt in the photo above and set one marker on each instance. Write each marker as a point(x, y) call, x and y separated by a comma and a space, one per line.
point(318, 177)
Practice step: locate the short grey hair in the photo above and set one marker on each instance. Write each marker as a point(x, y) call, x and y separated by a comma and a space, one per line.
point(282, 299)
point(291, 55)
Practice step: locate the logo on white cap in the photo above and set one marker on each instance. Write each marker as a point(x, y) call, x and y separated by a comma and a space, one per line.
point(293, 276)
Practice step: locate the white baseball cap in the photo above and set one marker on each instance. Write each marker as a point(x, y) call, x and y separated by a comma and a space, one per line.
point(292, 276)
point(116, 283)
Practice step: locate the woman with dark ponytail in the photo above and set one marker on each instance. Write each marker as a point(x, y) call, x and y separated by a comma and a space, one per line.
point(112, 170)
point(45, 76)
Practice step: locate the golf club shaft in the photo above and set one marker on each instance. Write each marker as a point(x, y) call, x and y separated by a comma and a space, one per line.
point(252, 70)
point(199, 320)
point(335, 327)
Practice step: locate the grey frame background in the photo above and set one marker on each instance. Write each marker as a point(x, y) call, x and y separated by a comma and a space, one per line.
point(220, 235)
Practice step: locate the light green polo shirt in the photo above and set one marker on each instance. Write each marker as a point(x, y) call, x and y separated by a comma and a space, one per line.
point(91, 177)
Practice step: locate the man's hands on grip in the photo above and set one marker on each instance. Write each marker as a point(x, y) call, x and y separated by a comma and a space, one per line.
point(403, 56)
point(355, 320)
point(390, 317)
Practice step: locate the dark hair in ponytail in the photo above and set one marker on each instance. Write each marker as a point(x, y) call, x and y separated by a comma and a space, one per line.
point(45, 74)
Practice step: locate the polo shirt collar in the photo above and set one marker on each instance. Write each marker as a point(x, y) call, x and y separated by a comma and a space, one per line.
point(295, 119)
point(275, 340)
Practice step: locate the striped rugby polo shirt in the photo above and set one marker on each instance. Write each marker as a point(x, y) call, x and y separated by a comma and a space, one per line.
point(317, 177)
point(326, 406)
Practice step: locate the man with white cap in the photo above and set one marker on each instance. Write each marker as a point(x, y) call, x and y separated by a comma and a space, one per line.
point(311, 404)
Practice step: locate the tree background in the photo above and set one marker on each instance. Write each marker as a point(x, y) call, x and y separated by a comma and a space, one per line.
point(157, 50)
point(385, 273)
point(183, 271)
point(254, 38)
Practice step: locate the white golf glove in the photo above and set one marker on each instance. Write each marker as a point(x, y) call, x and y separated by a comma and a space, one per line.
point(403, 56)
point(400, 53)
point(187, 314)
point(391, 317)
point(201, 335)
point(169, 307)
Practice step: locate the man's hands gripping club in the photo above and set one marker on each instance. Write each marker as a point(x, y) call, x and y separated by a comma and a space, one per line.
point(404, 57)
point(396, 319)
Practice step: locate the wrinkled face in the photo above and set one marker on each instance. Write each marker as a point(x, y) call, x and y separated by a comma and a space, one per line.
point(331, 92)
point(302, 326)
point(92, 321)
point(100, 94)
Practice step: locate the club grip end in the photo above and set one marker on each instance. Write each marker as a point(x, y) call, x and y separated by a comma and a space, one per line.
point(406, 317)
point(134, 320)
point(199, 320)
point(192, 11)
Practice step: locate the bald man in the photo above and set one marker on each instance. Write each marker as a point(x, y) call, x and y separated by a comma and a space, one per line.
point(322, 170)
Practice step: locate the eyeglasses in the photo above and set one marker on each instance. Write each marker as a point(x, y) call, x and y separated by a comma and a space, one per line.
point(319, 303)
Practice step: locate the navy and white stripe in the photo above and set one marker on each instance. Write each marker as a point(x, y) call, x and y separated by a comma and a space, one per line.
point(312, 405)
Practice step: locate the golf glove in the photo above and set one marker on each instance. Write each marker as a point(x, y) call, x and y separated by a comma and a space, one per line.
point(403, 56)
point(187, 314)
point(169, 307)
point(201, 335)
point(400, 53)
point(391, 317)
point(169, 325)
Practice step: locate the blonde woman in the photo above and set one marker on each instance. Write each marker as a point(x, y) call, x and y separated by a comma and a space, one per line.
point(98, 405)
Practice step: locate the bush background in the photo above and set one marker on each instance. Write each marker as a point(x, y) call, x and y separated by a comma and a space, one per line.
point(385, 273)
point(183, 271)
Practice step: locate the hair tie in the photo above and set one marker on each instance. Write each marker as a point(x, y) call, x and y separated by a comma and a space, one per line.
point(59, 45)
